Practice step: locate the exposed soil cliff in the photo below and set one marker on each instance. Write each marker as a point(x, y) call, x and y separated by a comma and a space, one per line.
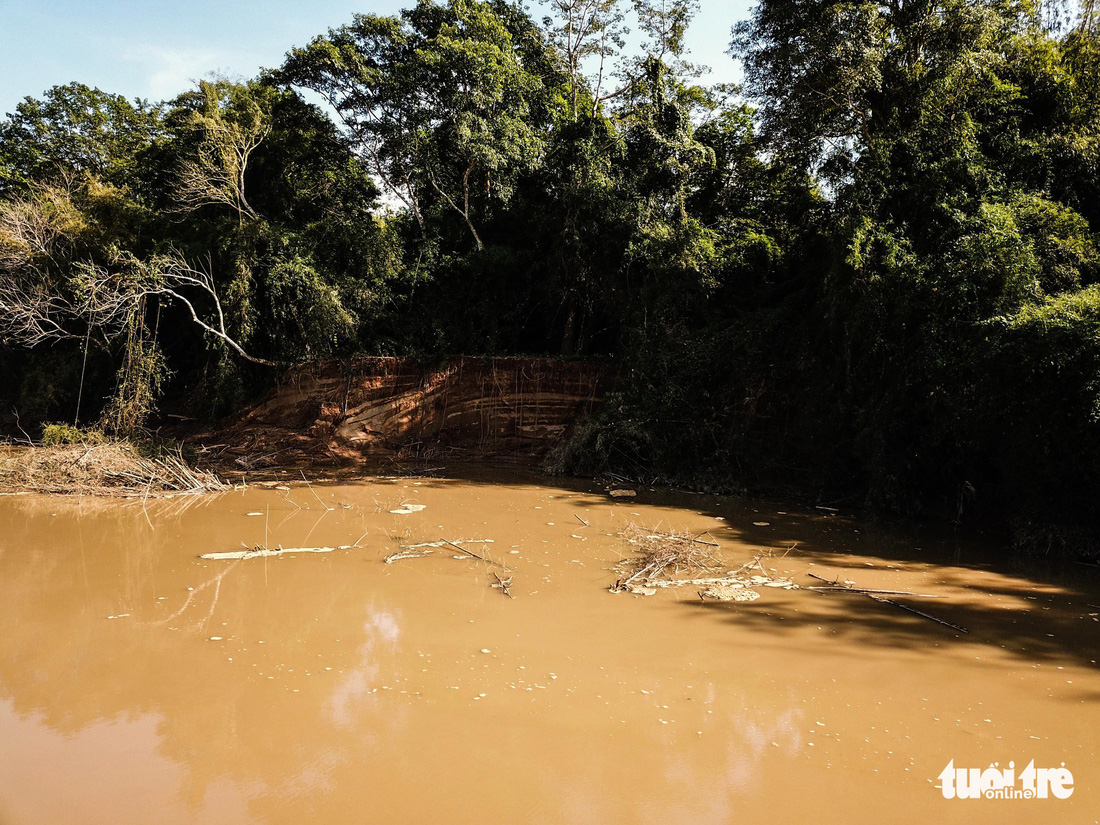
point(338, 411)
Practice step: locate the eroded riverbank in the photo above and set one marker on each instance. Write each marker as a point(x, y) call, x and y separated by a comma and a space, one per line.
point(138, 679)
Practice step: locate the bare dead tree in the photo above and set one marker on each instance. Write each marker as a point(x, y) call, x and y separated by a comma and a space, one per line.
point(46, 297)
point(109, 299)
point(106, 298)
point(34, 234)
point(30, 314)
point(585, 29)
point(33, 230)
point(216, 173)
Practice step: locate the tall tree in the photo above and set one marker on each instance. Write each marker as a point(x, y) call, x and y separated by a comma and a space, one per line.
point(443, 103)
point(74, 130)
point(227, 122)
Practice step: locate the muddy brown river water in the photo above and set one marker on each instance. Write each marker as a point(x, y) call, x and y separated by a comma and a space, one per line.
point(140, 683)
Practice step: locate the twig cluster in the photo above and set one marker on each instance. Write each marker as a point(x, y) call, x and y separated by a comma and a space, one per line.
point(681, 559)
point(663, 556)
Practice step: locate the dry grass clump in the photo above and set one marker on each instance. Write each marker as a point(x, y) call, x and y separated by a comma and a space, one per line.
point(115, 468)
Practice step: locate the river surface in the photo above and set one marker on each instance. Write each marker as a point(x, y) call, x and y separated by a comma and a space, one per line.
point(140, 683)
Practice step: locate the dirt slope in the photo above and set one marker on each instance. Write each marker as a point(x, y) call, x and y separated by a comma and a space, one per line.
point(339, 411)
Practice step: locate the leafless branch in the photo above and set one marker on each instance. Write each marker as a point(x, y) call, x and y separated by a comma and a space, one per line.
point(33, 312)
point(216, 174)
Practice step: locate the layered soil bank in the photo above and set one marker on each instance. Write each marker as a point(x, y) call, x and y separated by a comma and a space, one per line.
point(339, 411)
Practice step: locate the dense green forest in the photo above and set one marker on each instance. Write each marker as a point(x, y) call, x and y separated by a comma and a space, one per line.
point(869, 274)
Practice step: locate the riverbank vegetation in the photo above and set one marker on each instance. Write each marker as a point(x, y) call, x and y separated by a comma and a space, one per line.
point(96, 465)
point(871, 273)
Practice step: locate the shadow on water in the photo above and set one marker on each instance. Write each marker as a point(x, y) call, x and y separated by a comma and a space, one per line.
point(1035, 609)
point(286, 677)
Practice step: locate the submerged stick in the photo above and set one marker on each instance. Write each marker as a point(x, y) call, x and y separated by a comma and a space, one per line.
point(505, 585)
point(475, 555)
point(873, 595)
point(406, 554)
point(310, 486)
point(918, 612)
point(864, 591)
point(216, 581)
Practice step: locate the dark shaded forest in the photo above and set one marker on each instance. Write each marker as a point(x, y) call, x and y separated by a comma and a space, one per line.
point(869, 274)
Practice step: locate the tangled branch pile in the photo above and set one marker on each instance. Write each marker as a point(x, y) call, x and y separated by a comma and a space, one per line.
point(111, 469)
point(680, 559)
point(662, 556)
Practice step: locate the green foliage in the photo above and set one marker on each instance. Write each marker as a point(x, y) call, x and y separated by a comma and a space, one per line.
point(140, 380)
point(1040, 386)
point(57, 435)
point(448, 104)
point(74, 130)
point(302, 298)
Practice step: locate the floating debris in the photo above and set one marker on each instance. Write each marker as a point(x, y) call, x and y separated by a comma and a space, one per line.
point(623, 493)
point(729, 591)
point(260, 550)
point(682, 560)
point(406, 509)
point(848, 587)
point(407, 554)
point(416, 551)
point(505, 585)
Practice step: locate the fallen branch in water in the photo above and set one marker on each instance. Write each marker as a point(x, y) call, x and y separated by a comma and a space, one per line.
point(475, 555)
point(406, 554)
point(441, 542)
point(419, 551)
point(863, 591)
point(917, 612)
point(416, 551)
point(259, 550)
point(837, 587)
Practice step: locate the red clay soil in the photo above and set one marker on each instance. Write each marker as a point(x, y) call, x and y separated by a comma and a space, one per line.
point(343, 412)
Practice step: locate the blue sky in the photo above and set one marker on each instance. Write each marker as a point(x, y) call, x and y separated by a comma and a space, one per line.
point(156, 49)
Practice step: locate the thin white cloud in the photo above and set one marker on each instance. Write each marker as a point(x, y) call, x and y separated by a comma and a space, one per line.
point(169, 71)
